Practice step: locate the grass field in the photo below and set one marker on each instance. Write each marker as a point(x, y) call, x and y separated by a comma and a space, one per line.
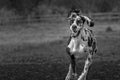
point(37, 52)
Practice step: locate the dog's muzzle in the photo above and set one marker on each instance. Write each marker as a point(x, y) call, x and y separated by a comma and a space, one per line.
point(74, 28)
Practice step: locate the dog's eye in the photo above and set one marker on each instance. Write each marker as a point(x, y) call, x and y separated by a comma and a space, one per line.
point(71, 21)
point(73, 16)
point(79, 21)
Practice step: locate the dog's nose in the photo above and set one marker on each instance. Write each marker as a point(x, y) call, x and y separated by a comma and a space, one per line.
point(74, 27)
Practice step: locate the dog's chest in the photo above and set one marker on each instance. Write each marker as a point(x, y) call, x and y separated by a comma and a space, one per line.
point(77, 47)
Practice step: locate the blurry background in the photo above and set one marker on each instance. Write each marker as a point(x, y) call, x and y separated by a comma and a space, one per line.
point(34, 34)
point(15, 11)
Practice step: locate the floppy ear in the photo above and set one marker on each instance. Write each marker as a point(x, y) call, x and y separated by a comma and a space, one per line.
point(70, 11)
point(89, 21)
point(91, 24)
point(77, 11)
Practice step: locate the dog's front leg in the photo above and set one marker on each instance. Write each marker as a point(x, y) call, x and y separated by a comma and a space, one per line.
point(72, 69)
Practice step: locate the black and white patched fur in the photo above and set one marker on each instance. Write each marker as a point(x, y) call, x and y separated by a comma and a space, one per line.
point(82, 43)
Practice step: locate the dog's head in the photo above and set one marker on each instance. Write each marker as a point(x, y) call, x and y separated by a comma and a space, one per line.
point(75, 20)
point(76, 24)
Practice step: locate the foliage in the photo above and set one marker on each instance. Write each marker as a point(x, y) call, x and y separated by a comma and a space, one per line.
point(26, 7)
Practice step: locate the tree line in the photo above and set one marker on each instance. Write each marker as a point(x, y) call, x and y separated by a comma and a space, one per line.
point(28, 6)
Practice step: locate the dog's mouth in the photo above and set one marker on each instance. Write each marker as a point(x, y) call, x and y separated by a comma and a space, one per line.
point(74, 29)
point(75, 32)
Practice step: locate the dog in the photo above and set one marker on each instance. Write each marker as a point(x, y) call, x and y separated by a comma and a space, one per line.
point(81, 43)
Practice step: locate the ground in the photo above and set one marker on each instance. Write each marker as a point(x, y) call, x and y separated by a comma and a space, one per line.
point(37, 52)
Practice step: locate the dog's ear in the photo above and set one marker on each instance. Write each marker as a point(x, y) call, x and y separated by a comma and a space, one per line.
point(70, 11)
point(91, 24)
point(77, 11)
point(73, 9)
